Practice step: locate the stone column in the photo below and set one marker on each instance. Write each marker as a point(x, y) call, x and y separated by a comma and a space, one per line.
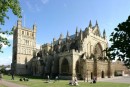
point(75, 57)
point(73, 68)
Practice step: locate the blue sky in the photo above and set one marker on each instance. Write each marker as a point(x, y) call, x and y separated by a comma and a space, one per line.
point(53, 17)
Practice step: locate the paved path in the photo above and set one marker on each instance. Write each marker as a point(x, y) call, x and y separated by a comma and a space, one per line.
point(125, 79)
point(10, 84)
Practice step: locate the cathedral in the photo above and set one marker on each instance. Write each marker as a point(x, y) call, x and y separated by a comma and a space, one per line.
point(81, 55)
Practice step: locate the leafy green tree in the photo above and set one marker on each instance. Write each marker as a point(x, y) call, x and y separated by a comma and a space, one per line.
point(2, 68)
point(5, 6)
point(120, 39)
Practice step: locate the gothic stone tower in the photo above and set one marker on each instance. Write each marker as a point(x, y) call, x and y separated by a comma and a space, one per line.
point(24, 44)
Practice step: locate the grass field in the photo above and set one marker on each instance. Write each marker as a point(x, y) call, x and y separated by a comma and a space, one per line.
point(34, 82)
point(2, 85)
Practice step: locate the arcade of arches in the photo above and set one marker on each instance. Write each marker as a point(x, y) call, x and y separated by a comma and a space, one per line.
point(95, 65)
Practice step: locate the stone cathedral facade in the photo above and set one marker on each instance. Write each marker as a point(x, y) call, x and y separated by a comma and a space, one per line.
point(81, 55)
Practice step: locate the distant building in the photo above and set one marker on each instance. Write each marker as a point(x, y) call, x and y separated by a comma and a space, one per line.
point(81, 55)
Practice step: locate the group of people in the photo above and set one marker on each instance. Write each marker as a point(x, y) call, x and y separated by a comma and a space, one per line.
point(74, 82)
point(48, 78)
point(24, 79)
point(94, 80)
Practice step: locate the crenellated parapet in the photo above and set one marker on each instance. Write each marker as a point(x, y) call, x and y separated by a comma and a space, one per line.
point(71, 52)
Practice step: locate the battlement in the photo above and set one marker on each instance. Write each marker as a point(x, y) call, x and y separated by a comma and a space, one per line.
point(45, 45)
point(71, 52)
point(27, 29)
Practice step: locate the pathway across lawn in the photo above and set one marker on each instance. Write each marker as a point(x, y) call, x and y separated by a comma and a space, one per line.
point(125, 79)
point(10, 84)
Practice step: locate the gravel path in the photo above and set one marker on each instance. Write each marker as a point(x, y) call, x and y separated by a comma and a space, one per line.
point(10, 84)
point(125, 79)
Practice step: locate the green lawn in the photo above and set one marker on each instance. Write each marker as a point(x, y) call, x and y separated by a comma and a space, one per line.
point(2, 85)
point(62, 83)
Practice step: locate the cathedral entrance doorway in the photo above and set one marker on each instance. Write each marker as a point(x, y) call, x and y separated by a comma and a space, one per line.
point(91, 75)
point(102, 74)
point(98, 54)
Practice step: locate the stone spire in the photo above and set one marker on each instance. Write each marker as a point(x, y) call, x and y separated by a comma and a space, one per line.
point(34, 27)
point(81, 34)
point(90, 24)
point(54, 39)
point(67, 34)
point(51, 46)
point(19, 24)
point(61, 36)
point(34, 30)
point(96, 23)
point(89, 28)
point(76, 31)
point(104, 34)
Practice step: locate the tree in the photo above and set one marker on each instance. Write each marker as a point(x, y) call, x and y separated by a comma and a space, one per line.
point(5, 6)
point(2, 68)
point(120, 39)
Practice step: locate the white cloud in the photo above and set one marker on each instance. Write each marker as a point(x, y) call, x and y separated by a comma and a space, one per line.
point(38, 46)
point(9, 37)
point(6, 60)
point(44, 1)
point(4, 46)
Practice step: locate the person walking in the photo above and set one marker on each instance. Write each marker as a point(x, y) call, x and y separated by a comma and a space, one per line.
point(56, 78)
point(1, 75)
point(94, 79)
point(48, 78)
point(12, 75)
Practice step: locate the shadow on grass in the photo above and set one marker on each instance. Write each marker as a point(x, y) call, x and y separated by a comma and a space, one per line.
point(30, 77)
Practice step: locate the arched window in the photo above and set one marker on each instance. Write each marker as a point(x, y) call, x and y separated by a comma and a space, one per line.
point(98, 50)
point(77, 67)
point(23, 32)
point(102, 74)
point(27, 33)
point(65, 66)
